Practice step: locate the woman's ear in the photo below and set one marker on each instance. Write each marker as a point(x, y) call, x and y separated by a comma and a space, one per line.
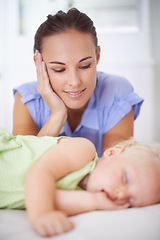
point(98, 53)
point(35, 54)
point(117, 149)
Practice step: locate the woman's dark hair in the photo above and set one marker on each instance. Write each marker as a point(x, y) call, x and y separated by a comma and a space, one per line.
point(60, 22)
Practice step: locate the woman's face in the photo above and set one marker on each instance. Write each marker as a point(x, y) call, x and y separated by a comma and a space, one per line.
point(71, 61)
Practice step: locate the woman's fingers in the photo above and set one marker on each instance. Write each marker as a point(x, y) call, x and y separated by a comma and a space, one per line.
point(45, 89)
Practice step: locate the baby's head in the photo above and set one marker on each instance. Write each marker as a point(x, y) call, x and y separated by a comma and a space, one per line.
point(129, 172)
point(145, 160)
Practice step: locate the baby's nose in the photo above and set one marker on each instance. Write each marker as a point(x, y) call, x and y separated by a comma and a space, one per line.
point(120, 194)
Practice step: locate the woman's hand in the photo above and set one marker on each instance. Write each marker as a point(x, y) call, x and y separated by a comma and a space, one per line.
point(52, 223)
point(58, 116)
point(54, 102)
point(104, 203)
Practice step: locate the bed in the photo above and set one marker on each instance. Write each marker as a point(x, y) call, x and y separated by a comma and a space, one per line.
point(129, 224)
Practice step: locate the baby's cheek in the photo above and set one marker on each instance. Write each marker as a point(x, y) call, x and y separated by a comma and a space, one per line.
point(121, 202)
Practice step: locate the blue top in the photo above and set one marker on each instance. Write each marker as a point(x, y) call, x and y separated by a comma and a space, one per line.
point(111, 100)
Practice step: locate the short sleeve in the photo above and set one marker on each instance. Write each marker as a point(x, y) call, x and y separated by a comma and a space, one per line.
point(37, 107)
point(119, 101)
point(28, 91)
point(120, 108)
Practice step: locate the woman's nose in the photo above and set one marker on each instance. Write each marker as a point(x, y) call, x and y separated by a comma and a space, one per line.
point(73, 79)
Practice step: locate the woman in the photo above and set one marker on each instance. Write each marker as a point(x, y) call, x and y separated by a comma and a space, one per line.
point(70, 97)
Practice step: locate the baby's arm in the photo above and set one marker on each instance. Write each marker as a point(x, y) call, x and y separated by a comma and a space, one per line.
point(74, 202)
point(40, 203)
point(67, 156)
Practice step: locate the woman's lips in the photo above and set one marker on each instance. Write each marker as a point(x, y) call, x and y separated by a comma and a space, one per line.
point(75, 94)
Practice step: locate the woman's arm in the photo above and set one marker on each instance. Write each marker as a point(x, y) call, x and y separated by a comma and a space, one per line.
point(122, 131)
point(23, 123)
point(67, 156)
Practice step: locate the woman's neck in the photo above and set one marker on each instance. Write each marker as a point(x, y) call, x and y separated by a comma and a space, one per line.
point(74, 117)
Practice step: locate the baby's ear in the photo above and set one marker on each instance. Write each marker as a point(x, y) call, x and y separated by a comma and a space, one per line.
point(117, 149)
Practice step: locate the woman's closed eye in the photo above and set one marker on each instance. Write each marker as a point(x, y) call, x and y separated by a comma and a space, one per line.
point(59, 70)
point(85, 66)
point(63, 69)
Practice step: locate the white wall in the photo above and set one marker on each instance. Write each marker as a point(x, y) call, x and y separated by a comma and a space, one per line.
point(129, 55)
point(16, 58)
point(155, 32)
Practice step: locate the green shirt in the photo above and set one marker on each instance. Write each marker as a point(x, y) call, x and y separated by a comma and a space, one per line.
point(17, 155)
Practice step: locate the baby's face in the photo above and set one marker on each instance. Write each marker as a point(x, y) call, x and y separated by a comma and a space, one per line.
point(127, 177)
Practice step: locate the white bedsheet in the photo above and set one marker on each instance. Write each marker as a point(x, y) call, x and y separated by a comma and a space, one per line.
point(128, 224)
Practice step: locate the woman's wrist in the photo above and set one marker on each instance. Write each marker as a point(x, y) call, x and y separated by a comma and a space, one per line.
point(53, 125)
point(59, 116)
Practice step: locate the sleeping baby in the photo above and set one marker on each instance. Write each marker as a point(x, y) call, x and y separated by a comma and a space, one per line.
point(56, 177)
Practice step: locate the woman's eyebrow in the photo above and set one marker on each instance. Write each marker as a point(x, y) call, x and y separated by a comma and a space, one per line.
point(57, 62)
point(61, 63)
point(83, 59)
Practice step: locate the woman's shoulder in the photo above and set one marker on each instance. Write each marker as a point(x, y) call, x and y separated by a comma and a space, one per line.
point(28, 91)
point(107, 81)
point(26, 88)
point(110, 86)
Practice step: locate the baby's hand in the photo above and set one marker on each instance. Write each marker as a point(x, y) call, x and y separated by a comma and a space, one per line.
point(52, 223)
point(104, 203)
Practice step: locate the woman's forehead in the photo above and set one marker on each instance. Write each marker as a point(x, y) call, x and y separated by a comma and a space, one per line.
point(70, 35)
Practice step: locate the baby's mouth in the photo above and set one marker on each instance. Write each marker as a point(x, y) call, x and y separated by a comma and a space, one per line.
point(117, 201)
point(109, 195)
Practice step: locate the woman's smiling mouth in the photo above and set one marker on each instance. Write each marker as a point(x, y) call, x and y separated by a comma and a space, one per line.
point(75, 94)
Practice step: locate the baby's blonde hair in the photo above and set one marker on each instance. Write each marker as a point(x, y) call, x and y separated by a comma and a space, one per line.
point(153, 149)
